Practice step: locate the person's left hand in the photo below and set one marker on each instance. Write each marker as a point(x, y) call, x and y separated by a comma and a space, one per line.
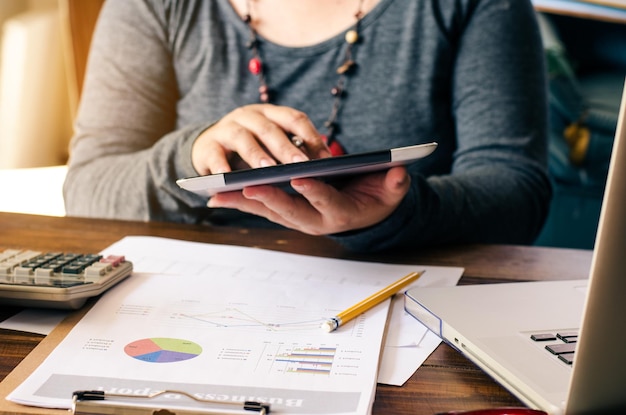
point(319, 208)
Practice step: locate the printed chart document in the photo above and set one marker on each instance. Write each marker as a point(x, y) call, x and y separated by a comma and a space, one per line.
point(226, 323)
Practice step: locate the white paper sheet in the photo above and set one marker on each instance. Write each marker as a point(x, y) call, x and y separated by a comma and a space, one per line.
point(246, 319)
point(35, 320)
point(408, 343)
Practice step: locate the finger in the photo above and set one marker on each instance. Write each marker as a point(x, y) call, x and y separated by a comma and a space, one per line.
point(208, 156)
point(254, 203)
point(385, 188)
point(285, 209)
point(362, 202)
point(397, 182)
point(273, 139)
point(299, 124)
point(334, 210)
point(241, 138)
point(216, 159)
point(322, 210)
point(214, 148)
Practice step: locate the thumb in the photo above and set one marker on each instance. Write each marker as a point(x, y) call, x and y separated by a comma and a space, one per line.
point(397, 182)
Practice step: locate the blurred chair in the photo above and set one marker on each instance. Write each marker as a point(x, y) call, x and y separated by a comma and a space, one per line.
point(78, 19)
point(38, 190)
point(34, 112)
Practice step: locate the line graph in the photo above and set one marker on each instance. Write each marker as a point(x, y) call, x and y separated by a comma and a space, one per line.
point(253, 318)
point(248, 318)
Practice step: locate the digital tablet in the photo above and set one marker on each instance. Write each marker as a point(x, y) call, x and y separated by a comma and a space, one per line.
point(327, 167)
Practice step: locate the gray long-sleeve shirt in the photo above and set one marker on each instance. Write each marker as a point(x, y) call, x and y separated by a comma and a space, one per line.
point(466, 73)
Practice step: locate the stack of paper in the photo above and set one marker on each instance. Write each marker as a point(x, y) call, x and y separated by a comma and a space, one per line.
point(230, 324)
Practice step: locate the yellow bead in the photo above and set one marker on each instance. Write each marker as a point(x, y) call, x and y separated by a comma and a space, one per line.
point(577, 137)
point(352, 36)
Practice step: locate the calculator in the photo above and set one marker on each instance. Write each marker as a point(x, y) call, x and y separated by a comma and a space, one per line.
point(31, 278)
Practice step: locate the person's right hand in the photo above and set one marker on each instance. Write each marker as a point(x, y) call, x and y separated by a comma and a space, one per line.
point(319, 208)
point(256, 135)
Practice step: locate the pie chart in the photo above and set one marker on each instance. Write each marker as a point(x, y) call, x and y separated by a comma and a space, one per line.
point(162, 350)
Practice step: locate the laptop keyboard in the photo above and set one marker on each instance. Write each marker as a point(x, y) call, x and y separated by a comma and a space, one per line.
point(561, 344)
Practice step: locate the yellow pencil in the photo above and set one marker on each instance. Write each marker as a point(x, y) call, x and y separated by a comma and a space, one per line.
point(340, 319)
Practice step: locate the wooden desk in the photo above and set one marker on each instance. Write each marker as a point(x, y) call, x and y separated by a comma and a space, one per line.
point(447, 380)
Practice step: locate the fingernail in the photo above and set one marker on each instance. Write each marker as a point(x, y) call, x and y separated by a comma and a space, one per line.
point(298, 158)
point(267, 162)
point(403, 181)
point(323, 153)
point(298, 186)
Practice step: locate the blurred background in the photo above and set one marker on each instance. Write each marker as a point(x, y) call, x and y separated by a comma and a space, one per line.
point(35, 113)
point(43, 50)
point(44, 46)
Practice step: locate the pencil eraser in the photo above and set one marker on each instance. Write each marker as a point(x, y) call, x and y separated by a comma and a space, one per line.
point(328, 326)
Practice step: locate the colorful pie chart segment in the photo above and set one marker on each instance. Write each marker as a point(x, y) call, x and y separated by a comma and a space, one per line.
point(162, 350)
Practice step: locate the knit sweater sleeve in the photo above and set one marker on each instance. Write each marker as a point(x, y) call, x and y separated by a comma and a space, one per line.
point(127, 150)
point(497, 190)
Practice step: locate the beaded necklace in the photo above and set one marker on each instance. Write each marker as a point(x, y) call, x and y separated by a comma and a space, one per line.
point(347, 67)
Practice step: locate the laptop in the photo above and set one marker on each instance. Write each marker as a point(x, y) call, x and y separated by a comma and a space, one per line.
point(559, 346)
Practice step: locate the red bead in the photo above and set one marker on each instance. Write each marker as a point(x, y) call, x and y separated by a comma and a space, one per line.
point(254, 66)
point(336, 149)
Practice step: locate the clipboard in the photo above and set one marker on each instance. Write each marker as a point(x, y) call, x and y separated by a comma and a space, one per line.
point(97, 402)
point(98, 405)
point(32, 362)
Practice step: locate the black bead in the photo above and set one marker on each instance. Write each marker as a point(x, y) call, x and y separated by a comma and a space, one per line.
point(252, 43)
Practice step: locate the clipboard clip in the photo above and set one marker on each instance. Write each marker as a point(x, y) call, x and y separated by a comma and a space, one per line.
point(92, 402)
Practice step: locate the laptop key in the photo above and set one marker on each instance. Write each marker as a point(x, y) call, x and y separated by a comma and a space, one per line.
point(561, 348)
point(542, 337)
point(568, 337)
point(567, 358)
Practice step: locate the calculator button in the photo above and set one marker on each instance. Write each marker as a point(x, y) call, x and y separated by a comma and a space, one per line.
point(97, 270)
point(9, 253)
point(43, 276)
point(23, 275)
point(6, 268)
point(25, 256)
point(6, 274)
point(43, 272)
point(73, 269)
point(114, 260)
